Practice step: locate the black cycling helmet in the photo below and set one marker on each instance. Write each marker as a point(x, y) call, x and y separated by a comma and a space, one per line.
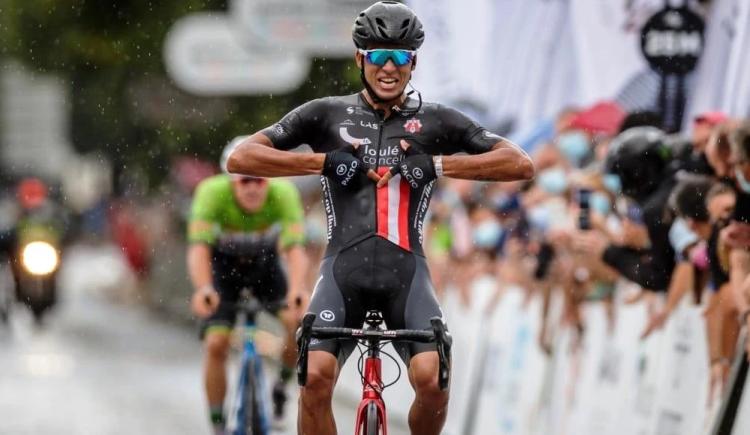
point(388, 22)
point(639, 156)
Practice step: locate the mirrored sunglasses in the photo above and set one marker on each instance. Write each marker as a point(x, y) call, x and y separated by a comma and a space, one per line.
point(380, 56)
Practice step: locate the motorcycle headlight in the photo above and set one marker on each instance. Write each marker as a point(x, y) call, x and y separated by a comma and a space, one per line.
point(39, 258)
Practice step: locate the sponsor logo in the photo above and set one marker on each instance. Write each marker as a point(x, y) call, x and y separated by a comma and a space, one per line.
point(413, 126)
point(347, 172)
point(278, 129)
point(372, 125)
point(424, 203)
point(328, 205)
point(348, 122)
point(327, 315)
point(385, 156)
point(418, 174)
point(355, 110)
point(409, 177)
point(344, 133)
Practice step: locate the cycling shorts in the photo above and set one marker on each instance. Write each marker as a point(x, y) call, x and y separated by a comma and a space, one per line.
point(263, 275)
point(374, 274)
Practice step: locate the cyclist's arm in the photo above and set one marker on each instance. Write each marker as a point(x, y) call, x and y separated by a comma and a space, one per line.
point(199, 265)
point(257, 156)
point(504, 162)
point(297, 264)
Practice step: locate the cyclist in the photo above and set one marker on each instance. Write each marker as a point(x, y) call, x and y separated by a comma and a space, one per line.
point(379, 152)
point(237, 225)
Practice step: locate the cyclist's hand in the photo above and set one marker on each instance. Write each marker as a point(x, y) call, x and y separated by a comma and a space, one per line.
point(297, 302)
point(656, 321)
point(343, 166)
point(417, 168)
point(205, 301)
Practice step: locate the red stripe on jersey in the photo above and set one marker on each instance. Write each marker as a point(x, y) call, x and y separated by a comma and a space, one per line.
point(382, 206)
point(403, 215)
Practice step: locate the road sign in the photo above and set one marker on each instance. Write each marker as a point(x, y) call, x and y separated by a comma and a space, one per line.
point(203, 55)
point(317, 27)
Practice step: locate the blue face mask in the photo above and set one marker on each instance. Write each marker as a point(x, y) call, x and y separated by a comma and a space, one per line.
point(612, 183)
point(574, 146)
point(487, 234)
point(553, 180)
point(744, 185)
point(538, 217)
point(600, 203)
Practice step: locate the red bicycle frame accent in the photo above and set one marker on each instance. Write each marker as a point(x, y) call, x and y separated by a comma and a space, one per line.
point(372, 389)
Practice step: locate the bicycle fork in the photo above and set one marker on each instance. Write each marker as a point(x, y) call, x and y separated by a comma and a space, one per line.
point(372, 393)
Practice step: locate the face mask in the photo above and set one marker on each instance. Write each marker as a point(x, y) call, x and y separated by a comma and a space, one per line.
point(600, 203)
point(612, 183)
point(553, 181)
point(574, 146)
point(744, 185)
point(538, 217)
point(487, 234)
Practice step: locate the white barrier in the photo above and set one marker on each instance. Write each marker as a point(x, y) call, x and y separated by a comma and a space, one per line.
point(610, 382)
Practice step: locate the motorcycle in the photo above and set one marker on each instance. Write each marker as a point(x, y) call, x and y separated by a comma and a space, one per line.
point(36, 274)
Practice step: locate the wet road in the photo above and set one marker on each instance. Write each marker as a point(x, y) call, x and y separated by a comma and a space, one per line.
point(101, 367)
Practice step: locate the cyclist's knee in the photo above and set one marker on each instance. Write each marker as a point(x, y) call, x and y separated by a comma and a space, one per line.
point(424, 378)
point(217, 346)
point(321, 378)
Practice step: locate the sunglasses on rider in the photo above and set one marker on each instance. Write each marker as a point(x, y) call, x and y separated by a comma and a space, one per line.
point(251, 180)
point(380, 56)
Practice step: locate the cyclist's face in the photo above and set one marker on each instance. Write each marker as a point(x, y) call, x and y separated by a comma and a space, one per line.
point(388, 81)
point(250, 193)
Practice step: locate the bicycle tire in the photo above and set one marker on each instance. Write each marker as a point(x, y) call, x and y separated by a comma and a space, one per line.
point(252, 423)
point(372, 424)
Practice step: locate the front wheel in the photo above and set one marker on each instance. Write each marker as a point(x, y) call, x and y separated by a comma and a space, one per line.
point(372, 424)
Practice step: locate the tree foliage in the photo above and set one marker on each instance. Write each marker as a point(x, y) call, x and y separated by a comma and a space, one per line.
point(122, 102)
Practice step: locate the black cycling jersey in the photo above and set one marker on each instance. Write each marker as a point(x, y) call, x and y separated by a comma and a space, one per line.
point(360, 210)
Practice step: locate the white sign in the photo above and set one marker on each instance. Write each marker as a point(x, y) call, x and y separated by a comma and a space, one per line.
point(204, 56)
point(320, 27)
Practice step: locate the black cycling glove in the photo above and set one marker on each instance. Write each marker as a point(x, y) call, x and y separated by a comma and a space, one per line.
point(342, 165)
point(416, 168)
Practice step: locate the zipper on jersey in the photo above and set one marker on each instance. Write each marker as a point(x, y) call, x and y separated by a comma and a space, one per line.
point(381, 122)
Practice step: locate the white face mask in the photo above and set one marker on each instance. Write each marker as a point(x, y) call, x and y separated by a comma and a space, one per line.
point(742, 182)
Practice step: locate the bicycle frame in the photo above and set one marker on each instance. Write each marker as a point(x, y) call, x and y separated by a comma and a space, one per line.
point(372, 389)
point(372, 383)
point(250, 362)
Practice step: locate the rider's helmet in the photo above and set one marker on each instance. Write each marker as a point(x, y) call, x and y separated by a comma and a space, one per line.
point(31, 192)
point(228, 150)
point(388, 22)
point(639, 156)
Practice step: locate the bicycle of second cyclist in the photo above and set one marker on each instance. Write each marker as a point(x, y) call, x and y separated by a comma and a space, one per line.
point(249, 413)
point(371, 414)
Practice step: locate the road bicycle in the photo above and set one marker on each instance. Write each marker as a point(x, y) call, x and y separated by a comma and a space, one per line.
point(249, 414)
point(371, 413)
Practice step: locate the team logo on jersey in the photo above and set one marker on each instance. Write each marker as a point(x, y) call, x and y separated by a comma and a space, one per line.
point(327, 315)
point(348, 138)
point(413, 126)
point(347, 122)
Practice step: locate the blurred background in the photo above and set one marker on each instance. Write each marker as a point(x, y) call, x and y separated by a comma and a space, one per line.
point(112, 112)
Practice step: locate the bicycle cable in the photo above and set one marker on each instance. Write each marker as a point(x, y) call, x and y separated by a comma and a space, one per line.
point(360, 367)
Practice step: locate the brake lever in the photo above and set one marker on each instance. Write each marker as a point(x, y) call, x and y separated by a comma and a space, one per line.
point(303, 343)
point(443, 342)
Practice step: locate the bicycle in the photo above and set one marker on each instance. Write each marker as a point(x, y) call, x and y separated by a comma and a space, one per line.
point(249, 415)
point(371, 413)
